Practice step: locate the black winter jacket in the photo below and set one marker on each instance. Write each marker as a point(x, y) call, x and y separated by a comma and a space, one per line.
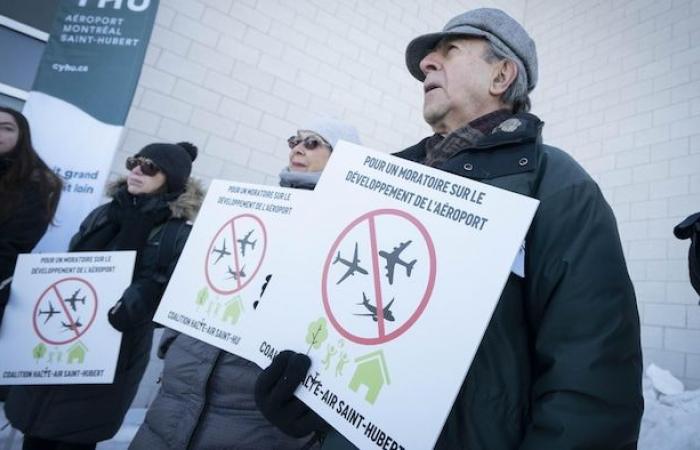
point(19, 233)
point(93, 413)
point(560, 364)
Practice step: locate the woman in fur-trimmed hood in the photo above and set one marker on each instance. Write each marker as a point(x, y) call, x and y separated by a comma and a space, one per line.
point(150, 212)
point(206, 398)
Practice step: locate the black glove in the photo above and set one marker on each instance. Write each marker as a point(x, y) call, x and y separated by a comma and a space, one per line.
point(136, 306)
point(690, 229)
point(118, 317)
point(274, 395)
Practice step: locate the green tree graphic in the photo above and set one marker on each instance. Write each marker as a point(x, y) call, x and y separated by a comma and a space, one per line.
point(202, 296)
point(39, 351)
point(318, 332)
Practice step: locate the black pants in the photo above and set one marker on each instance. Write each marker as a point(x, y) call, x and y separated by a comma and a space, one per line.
point(34, 443)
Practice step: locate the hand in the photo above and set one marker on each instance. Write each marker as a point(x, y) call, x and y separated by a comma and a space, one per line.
point(117, 316)
point(274, 395)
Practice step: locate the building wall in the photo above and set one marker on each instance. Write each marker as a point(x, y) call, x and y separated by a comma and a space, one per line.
point(24, 31)
point(238, 77)
point(619, 89)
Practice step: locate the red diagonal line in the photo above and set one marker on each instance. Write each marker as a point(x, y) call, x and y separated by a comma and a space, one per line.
point(65, 310)
point(235, 256)
point(377, 277)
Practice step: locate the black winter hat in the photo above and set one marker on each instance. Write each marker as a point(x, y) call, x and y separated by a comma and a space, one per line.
point(175, 160)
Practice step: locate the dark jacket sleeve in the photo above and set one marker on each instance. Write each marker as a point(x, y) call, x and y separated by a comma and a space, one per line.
point(140, 300)
point(19, 234)
point(587, 356)
point(166, 340)
point(94, 220)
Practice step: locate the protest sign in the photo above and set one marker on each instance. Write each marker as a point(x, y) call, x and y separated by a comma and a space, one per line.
point(226, 262)
point(389, 292)
point(55, 329)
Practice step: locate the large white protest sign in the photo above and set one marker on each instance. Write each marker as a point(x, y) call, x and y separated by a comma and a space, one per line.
point(55, 329)
point(213, 292)
point(389, 291)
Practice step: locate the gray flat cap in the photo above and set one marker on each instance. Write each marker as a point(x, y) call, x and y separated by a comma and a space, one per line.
point(504, 32)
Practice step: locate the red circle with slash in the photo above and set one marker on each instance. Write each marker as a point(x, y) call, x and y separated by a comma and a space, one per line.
point(382, 337)
point(239, 284)
point(54, 289)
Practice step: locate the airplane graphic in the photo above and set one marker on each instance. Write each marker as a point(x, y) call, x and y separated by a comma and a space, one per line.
point(50, 313)
point(353, 266)
point(73, 326)
point(221, 251)
point(245, 242)
point(392, 258)
point(235, 275)
point(388, 315)
point(74, 298)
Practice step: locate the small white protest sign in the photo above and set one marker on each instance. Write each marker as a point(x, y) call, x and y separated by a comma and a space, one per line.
point(389, 287)
point(55, 329)
point(226, 261)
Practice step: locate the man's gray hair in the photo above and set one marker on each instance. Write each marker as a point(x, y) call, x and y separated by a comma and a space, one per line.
point(516, 94)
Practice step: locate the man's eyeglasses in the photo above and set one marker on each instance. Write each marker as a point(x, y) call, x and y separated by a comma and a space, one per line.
point(310, 142)
point(148, 167)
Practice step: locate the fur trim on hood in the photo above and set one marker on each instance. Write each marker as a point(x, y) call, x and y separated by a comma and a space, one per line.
point(185, 206)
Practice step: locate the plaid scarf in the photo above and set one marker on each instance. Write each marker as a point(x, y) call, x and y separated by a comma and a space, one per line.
point(439, 149)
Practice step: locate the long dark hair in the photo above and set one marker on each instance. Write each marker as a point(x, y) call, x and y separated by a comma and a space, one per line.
point(27, 167)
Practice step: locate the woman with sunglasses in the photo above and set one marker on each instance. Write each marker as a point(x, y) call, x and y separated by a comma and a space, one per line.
point(29, 193)
point(310, 149)
point(150, 212)
point(206, 400)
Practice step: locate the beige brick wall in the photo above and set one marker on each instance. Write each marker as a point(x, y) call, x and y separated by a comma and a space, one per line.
point(237, 77)
point(619, 90)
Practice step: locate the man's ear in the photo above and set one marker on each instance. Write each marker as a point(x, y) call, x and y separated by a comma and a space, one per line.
point(503, 75)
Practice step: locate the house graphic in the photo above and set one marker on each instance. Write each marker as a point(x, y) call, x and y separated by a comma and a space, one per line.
point(233, 310)
point(371, 371)
point(76, 353)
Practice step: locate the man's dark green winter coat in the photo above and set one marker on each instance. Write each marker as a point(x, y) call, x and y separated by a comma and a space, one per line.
point(560, 364)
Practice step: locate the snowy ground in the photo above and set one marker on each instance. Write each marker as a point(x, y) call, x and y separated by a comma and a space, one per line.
point(670, 422)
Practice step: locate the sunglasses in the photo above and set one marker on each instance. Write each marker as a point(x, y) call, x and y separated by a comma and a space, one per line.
point(148, 167)
point(310, 142)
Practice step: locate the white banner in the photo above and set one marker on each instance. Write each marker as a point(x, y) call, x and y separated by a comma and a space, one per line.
point(63, 146)
point(55, 329)
point(240, 231)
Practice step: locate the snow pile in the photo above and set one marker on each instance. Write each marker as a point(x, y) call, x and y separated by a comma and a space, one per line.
point(671, 415)
point(663, 381)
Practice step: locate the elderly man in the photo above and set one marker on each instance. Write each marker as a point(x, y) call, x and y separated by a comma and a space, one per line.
point(560, 364)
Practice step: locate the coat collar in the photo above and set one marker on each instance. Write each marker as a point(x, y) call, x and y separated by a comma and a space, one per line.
point(184, 206)
point(511, 148)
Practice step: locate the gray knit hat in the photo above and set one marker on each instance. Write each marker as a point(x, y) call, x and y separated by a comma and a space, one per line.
point(333, 130)
point(504, 32)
